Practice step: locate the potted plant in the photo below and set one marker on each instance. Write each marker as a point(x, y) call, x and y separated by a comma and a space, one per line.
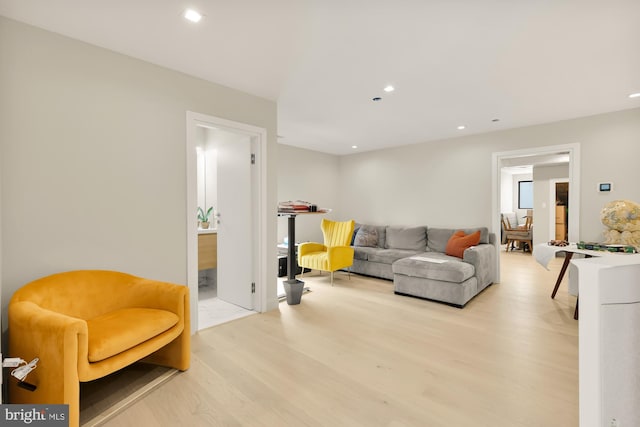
point(203, 218)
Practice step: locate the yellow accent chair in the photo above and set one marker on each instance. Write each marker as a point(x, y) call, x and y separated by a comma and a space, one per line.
point(334, 254)
point(84, 325)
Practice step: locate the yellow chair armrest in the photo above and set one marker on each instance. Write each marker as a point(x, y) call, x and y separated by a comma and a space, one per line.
point(30, 316)
point(59, 341)
point(308, 247)
point(340, 257)
point(147, 293)
point(174, 298)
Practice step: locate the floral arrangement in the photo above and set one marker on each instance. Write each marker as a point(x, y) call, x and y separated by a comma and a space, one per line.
point(622, 219)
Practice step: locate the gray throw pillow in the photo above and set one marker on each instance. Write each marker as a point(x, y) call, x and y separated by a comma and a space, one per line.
point(366, 236)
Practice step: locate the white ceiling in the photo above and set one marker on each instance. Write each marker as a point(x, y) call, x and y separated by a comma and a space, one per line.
point(456, 62)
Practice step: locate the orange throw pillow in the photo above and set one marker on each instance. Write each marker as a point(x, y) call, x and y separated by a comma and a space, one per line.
point(460, 241)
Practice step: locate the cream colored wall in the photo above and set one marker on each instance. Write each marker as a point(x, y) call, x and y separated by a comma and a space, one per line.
point(425, 184)
point(93, 165)
point(313, 177)
point(448, 183)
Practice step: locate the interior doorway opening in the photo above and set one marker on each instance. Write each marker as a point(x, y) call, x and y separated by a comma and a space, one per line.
point(560, 220)
point(540, 156)
point(225, 261)
point(224, 211)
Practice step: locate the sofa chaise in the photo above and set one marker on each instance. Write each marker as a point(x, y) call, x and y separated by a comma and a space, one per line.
point(415, 259)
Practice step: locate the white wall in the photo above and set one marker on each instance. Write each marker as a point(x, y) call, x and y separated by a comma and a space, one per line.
point(506, 191)
point(424, 184)
point(448, 183)
point(210, 174)
point(208, 170)
point(93, 165)
point(313, 177)
point(544, 229)
point(201, 166)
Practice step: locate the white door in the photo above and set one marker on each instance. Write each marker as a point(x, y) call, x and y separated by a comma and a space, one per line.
point(234, 219)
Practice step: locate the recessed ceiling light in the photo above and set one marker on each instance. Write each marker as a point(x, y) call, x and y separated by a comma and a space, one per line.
point(376, 99)
point(192, 15)
point(461, 127)
point(635, 95)
point(389, 88)
point(495, 120)
point(354, 146)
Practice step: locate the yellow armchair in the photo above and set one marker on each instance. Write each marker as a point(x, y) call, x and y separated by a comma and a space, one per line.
point(84, 325)
point(334, 254)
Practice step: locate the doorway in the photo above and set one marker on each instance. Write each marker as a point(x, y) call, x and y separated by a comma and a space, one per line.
point(537, 155)
point(236, 198)
point(560, 221)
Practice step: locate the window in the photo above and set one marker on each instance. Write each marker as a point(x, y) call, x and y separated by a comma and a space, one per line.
point(525, 194)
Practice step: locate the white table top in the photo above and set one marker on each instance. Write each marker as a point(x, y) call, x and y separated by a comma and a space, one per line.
point(319, 211)
point(543, 253)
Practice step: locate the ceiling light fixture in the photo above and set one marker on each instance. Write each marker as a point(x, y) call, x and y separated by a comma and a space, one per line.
point(192, 15)
point(635, 95)
point(461, 127)
point(389, 88)
point(354, 146)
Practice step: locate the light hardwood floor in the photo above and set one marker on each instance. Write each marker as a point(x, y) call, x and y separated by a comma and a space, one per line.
point(355, 354)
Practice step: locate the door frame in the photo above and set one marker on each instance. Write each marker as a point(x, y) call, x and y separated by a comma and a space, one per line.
point(259, 195)
point(552, 202)
point(574, 183)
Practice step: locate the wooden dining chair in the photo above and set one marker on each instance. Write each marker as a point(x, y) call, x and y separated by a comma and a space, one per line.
point(523, 235)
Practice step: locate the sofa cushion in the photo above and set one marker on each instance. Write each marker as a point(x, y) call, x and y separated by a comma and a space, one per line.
point(382, 236)
point(120, 330)
point(413, 238)
point(353, 236)
point(362, 252)
point(437, 238)
point(367, 235)
point(460, 241)
point(389, 256)
point(435, 266)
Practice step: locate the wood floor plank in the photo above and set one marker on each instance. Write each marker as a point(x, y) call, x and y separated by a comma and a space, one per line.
point(355, 354)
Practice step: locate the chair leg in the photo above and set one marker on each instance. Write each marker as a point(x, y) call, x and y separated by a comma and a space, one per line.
point(332, 278)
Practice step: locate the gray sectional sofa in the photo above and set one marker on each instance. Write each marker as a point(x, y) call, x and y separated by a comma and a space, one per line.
point(414, 258)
